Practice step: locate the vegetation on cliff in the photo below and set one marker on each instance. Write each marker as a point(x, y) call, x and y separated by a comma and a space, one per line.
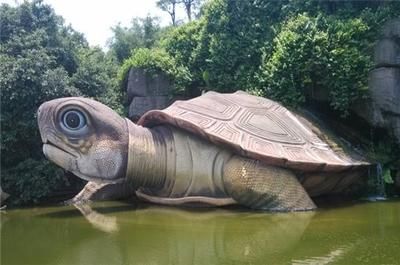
point(154, 61)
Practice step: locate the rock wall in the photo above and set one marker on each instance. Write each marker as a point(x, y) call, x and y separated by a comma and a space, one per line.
point(146, 92)
point(382, 109)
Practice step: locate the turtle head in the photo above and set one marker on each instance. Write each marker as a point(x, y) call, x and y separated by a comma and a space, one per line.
point(85, 137)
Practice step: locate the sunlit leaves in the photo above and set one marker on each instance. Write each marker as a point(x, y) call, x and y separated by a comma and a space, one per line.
point(323, 54)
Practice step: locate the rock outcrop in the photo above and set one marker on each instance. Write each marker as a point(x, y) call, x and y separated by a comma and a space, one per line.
point(382, 109)
point(147, 91)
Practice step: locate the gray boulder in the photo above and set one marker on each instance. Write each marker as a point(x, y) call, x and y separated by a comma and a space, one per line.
point(140, 105)
point(147, 91)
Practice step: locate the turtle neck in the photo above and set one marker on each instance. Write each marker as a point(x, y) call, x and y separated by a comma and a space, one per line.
point(147, 160)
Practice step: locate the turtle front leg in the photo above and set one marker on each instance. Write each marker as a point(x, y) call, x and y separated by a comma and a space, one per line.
point(258, 186)
point(102, 191)
point(86, 193)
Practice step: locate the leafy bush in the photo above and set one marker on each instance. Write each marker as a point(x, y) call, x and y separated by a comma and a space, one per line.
point(231, 40)
point(182, 43)
point(32, 180)
point(314, 54)
point(299, 50)
point(350, 64)
point(154, 61)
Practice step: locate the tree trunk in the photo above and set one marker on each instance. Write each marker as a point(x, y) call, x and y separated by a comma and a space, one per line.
point(188, 6)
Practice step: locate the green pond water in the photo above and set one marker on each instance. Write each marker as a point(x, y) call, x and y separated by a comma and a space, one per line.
point(123, 233)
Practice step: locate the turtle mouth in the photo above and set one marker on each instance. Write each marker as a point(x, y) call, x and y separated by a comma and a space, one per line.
point(49, 144)
point(67, 158)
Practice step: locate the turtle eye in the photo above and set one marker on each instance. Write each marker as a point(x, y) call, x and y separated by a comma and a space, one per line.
point(73, 120)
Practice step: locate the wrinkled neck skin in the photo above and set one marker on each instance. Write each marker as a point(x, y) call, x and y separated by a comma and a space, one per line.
point(147, 156)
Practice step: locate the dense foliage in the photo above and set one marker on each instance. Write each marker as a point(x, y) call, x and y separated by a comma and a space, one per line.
point(293, 51)
point(41, 59)
point(286, 50)
point(231, 41)
point(182, 44)
point(318, 55)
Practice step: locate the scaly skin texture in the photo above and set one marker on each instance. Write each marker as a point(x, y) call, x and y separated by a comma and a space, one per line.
point(166, 165)
point(259, 186)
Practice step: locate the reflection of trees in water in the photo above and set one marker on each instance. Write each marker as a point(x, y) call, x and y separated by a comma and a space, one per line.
point(53, 236)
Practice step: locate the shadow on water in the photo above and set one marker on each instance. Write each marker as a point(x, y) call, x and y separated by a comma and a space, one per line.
point(120, 233)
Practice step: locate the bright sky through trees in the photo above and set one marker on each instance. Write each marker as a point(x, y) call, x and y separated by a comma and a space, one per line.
point(95, 18)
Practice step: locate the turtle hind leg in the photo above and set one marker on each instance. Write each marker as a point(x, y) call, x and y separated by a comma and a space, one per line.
point(256, 185)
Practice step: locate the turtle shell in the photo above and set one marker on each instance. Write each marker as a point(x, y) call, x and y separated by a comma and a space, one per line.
point(254, 127)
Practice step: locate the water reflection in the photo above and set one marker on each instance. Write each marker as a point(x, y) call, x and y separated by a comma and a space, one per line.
point(179, 236)
point(100, 221)
point(118, 233)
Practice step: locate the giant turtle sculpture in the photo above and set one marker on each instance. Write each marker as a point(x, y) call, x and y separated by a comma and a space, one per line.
point(216, 149)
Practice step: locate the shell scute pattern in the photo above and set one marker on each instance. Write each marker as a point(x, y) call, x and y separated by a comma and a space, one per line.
point(255, 127)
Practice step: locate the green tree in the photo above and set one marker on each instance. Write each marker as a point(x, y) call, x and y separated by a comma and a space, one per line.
point(40, 59)
point(142, 33)
point(183, 44)
point(190, 7)
point(299, 60)
point(169, 6)
point(231, 40)
point(325, 54)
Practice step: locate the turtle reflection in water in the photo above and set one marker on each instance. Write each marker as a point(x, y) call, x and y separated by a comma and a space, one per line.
point(216, 149)
point(199, 236)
